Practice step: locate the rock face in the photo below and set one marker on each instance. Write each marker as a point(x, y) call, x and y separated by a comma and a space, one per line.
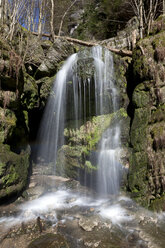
point(14, 160)
point(147, 163)
point(26, 77)
point(125, 38)
point(27, 71)
point(78, 157)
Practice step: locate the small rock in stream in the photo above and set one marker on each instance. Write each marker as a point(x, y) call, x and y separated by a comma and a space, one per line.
point(87, 223)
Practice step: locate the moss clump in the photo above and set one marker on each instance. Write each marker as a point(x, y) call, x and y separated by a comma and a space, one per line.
point(140, 96)
point(158, 204)
point(74, 157)
point(138, 175)
point(7, 123)
point(13, 172)
point(2, 169)
point(157, 129)
point(90, 133)
point(158, 114)
point(89, 167)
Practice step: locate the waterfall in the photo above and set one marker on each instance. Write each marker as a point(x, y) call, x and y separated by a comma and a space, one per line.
point(51, 132)
point(84, 87)
point(109, 169)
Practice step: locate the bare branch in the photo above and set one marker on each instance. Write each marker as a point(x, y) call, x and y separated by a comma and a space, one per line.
point(62, 20)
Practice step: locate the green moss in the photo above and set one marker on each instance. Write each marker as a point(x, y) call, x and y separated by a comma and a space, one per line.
point(139, 129)
point(159, 40)
point(122, 113)
point(30, 96)
point(75, 156)
point(7, 123)
point(45, 89)
point(158, 204)
point(140, 96)
point(13, 172)
point(137, 178)
point(2, 169)
point(90, 133)
point(158, 114)
point(157, 129)
point(141, 66)
point(89, 167)
point(11, 178)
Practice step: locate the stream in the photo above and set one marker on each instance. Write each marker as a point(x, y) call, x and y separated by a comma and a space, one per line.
point(67, 214)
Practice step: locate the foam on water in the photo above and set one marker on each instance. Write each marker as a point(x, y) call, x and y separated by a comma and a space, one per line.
point(115, 213)
point(61, 199)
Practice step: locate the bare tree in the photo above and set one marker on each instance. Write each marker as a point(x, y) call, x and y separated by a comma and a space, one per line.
point(163, 7)
point(16, 9)
point(146, 12)
point(1, 10)
point(41, 8)
point(65, 13)
point(29, 16)
point(52, 19)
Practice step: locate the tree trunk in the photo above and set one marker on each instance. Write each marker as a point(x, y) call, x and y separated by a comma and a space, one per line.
point(5, 9)
point(1, 11)
point(163, 7)
point(40, 7)
point(62, 20)
point(141, 19)
point(150, 17)
point(52, 19)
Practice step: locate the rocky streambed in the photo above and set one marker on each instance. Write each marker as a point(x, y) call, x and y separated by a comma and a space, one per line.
point(59, 212)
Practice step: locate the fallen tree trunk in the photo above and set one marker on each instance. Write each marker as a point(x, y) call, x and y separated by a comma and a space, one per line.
point(89, 44)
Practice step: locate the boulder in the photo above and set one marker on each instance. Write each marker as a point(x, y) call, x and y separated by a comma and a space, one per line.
point(13, 172)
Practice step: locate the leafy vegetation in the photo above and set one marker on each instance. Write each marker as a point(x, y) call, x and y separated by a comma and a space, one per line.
point(103, 19)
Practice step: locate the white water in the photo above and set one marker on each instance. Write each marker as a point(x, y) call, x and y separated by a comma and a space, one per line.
point(72, 99)
point(65, 200)
point(109, 170)
point(51, 132)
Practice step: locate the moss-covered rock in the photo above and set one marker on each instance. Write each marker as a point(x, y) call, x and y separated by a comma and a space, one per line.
point(121, 68)
point(27, 71)
point(140, 96)
point(13, 172)
point(7, 123)
point(147, 162)
point(54, 54)
point(74, 158)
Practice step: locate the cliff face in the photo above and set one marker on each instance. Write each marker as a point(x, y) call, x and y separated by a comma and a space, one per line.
point(27, 70)
point(147, 163)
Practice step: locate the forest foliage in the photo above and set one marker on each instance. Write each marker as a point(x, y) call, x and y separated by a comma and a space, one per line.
point(90, 19)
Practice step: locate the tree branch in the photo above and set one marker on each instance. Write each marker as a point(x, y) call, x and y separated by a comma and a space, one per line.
point(62, 20)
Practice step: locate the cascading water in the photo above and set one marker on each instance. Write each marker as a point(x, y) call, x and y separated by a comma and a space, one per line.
point(51, 132)
point(76, 96)
point(82, 220)
point(109, 169)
